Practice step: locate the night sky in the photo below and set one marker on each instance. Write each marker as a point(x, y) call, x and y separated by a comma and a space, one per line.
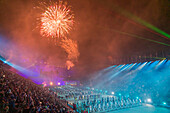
point(96, 27)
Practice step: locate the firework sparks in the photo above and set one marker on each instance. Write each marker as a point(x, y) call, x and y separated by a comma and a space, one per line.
point(71, 49)
point(57, 20)
point(69, 64)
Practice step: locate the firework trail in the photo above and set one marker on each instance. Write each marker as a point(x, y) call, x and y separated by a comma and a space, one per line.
point(57, 20)
point(71, 49)
point(69, 64)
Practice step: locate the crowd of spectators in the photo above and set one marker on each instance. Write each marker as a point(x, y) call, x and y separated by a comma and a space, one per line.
point(21, 95)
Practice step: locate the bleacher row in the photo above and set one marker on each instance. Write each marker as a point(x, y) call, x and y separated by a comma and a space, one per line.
point(21, 95)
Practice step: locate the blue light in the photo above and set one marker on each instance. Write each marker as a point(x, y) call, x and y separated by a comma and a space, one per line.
point(124, 66)
point(114, 66)
point(153, 64)
point(142, 65)
point(146, 76)
point(160, 64)
point(164, 103)
point(119, 66)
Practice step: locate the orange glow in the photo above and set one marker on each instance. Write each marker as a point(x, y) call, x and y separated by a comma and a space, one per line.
point(71, 49)
point(51, 83)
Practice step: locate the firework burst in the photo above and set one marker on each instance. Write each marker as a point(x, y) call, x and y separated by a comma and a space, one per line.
point(57, 20)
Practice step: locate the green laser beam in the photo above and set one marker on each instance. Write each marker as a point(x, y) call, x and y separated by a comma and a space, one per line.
point(160, 58)
point(133, 35)
point(137, 19)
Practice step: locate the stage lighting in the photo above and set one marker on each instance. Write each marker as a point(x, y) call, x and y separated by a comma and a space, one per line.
point(164, 103)
point(51, 83)
point(137, 97)
point(149, 100)
point(59, 83)
point(44, 85)
point(119, 94)
point(113, 93)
